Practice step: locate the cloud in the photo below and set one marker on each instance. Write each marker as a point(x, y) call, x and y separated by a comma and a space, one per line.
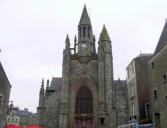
point(32, 35)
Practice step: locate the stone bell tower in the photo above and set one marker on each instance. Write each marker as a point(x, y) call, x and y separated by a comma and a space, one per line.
point(86, 46)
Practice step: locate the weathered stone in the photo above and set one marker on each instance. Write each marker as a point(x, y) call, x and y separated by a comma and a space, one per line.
point(4, 96)
point(85, 69)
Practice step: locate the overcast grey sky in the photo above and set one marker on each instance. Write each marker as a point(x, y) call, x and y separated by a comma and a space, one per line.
point(32, 34)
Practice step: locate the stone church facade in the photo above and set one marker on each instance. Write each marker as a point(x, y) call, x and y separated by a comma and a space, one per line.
point(86, 94)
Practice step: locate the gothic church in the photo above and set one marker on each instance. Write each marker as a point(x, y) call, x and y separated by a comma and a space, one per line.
point(86, 96)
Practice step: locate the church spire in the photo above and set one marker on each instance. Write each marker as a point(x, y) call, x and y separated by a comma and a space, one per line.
point(85, 19)
point(104, 34)
point(85, 35)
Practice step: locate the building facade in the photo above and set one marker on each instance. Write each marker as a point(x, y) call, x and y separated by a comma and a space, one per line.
point(20, 117)
point(158, 81)
point(121, 102)
point(138, 89)
point(4, 96)
point(85, 95)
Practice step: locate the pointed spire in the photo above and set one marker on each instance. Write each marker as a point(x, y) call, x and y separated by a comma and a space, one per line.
point(47, 83)
point(75, 39)
point(67, 42)
point(42, 87)
point(85, 19)
point(163, 39)
point(104, 34)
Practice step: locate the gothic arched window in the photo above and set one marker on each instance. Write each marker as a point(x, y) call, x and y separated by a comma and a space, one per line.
point(84, 31)
point(80, 32)
point(83, 100)
point(88, 32)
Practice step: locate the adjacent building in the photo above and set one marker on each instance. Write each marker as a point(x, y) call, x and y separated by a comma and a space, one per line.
point(138, 89)
point(158, 81)
point(86, 94)
point(121, 101)
point(20, 117)
point(4, 96)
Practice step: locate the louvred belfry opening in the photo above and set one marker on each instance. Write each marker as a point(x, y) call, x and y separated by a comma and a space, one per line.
point(84, 100)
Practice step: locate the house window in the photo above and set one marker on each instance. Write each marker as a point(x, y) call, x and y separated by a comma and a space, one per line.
point(12, 119)
point(102, 120)
point(152, 65)
point(147, 110)
point(164, 78)
point(133, 109)
point(132, 90)
point(155, 94)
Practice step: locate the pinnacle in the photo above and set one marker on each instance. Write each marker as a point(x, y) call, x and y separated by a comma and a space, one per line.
point(84, 17)
point(67, 41)
point(104, 34)
point(67, 38)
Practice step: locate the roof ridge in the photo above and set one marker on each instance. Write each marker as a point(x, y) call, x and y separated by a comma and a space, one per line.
point(163, 39)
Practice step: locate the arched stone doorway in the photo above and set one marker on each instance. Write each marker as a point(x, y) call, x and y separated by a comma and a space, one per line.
point(83, 104)
point(83, 108)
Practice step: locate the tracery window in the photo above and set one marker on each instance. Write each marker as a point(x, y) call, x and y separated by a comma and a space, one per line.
point(88, 32)
point(84, 31)
point(83, 100)
point(80, 32)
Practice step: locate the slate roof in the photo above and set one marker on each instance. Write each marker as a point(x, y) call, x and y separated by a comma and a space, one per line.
point(120, 82)
point(55, 83)
point(24, 113)
point(162, 40)
point(2, 72)
point(144, 54)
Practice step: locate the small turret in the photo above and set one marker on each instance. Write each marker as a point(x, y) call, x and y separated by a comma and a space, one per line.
point(41, 107)
point(42, 87)
point(47, 85)
point(41, 94)
point(104, 41)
